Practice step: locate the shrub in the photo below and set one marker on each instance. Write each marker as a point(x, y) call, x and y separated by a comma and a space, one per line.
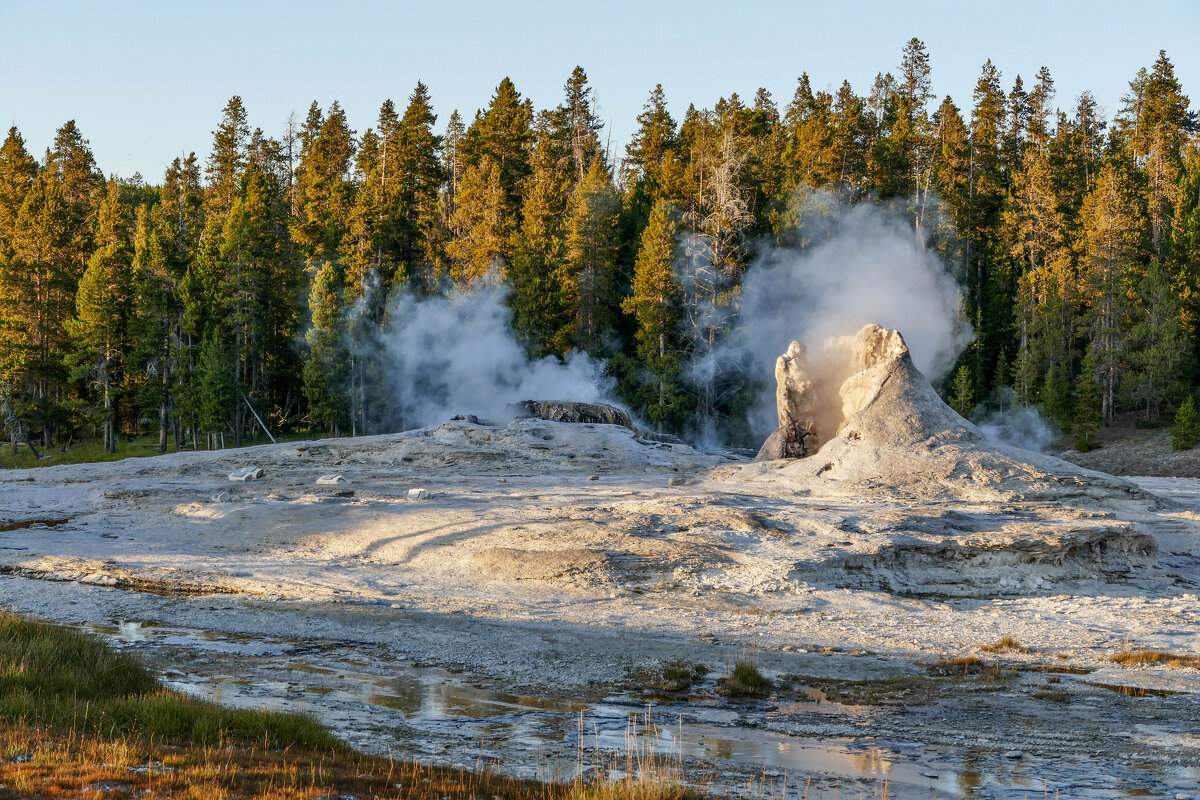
point(746, 681)
point(1186, 429)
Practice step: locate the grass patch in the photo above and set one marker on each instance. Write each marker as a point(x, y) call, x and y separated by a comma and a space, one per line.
point(40, 763)
point(1006, 644)
point(677, 675)
point(1052, 695)
point(1135, 658)
point(894, 691)
point(968, 666)
point(745, 681)
point(60, 679)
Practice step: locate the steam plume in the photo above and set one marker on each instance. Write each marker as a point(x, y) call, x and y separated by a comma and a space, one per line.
point(457, 354)
point(868, 266)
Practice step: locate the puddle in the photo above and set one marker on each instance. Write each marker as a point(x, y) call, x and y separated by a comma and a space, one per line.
point(1132, 691)
point(33, 524)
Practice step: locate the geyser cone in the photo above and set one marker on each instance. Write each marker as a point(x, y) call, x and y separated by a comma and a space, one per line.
point(894, 435)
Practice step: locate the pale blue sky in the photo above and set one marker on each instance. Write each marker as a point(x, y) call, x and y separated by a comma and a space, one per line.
point(147, 80)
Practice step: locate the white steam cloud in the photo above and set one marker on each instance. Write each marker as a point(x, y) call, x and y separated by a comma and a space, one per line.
point(870, 266)
point(457, 354)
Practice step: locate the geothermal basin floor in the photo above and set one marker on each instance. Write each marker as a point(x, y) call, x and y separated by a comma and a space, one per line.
point(513, 613)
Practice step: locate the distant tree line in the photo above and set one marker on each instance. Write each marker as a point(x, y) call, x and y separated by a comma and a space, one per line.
point(256, 283)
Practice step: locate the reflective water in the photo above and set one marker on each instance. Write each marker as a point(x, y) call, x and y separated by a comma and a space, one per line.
point(429, 713)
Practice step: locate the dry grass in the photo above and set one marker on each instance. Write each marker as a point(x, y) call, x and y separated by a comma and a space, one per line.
point(676, 675)
point(80, 720)
point(967, 666)
point(1006, 644)
point(1135, 658)
point(39, 763)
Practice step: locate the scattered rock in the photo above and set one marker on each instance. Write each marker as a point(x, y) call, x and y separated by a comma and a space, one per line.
point(471, 418)
point(330, 480)
point(677, 480)
point(222, 497)
point(246, 474)
point(418, 494)
point(593, 477)
point(1014, 754)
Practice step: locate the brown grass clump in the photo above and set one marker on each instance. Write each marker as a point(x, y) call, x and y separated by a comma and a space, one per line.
point(966, 666)
point(1134, 658)
point(40, 763)
point(1006, 644)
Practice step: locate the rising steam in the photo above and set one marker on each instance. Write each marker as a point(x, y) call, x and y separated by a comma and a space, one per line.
point(457, 354)
point(867, 265)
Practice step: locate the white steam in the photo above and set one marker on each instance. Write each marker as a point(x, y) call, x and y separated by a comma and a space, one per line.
point(457, 354)
point(870, 267)
point(1008, 422)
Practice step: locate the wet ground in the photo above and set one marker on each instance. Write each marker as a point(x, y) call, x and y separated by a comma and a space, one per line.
point(998, 734)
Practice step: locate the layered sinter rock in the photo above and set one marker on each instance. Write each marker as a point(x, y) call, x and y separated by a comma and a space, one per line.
point(893, 435)
point(569, 411)
point(795, 396)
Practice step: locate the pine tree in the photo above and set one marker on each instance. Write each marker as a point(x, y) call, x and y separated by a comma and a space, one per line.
point(228, 157)
point(1156, 344)
point(591, 251)
point(326, 373)
point(102, 304)
point(1088, 416)
point(37, 292)
point(502, 135)
point(1186, 430)
point(655, 305)
point(653, 143)
point(580, 124)
point(18, 171)
point(481, 228)
point(540, 299)
point(1111, 232)
point(962, 395)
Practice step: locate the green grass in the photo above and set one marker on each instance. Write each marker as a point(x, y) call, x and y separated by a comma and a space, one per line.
point(92, 450)
point(64, 680)
point(746, 681)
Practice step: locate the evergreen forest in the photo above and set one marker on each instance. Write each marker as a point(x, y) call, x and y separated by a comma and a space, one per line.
point(235, 294)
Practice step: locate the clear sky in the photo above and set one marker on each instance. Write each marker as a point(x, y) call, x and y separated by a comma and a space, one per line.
point(146, 81)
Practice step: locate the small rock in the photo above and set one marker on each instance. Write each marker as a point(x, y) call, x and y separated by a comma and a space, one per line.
point(222, 497)
point(330, 480)
point(246, 474)
point(108, 536)
point(930, 775)
point(593, 477)
point(418, 494)
point(1014, 754)
point(677, 480)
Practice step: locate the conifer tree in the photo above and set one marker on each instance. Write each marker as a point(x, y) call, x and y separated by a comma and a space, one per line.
point(591, 251)
point(542, 313)
point(18, 171)
point(480, 226)
point(1156, 343)
point(655, 305)
point(100, 328)
point(1111, 232)
point(1186, 430)
point(1088, 417)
